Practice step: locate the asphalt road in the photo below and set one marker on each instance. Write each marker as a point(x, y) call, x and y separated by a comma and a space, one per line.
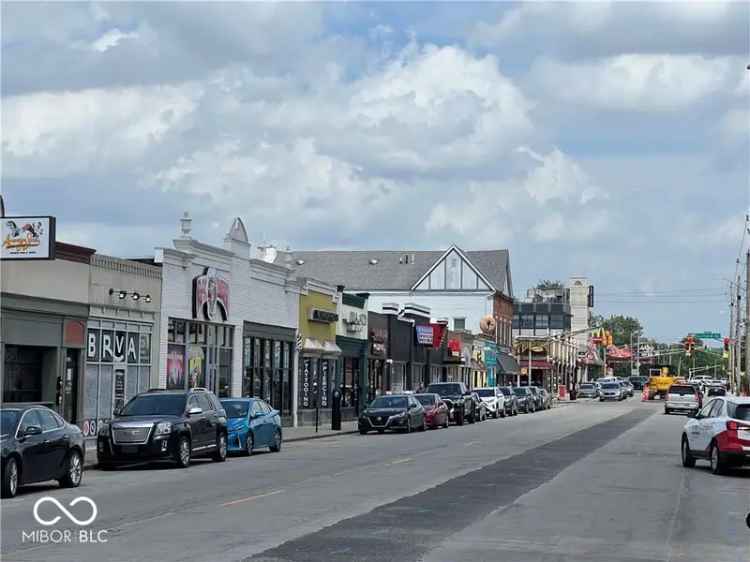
point(589, 482)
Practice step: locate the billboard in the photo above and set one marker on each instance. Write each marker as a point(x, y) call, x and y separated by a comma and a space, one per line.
point(27, 238)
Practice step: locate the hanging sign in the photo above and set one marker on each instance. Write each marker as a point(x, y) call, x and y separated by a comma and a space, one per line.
point(27, 238)
point(425, 334)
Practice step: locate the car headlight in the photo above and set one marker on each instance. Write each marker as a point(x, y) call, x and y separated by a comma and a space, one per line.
point(163, 428)
point(104, 429)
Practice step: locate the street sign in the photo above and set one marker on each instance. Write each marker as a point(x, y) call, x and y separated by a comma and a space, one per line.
point(708, 335)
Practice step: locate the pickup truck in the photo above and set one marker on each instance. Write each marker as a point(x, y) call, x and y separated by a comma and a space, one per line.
point(457, 397)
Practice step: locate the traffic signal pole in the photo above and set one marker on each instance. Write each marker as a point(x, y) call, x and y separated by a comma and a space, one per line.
point(747, 316)
point(730, 359)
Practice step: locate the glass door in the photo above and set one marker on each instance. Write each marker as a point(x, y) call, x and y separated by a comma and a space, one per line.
point(69, 390)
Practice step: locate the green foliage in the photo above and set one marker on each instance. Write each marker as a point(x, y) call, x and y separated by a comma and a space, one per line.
point(546, 285)
point(622, 327)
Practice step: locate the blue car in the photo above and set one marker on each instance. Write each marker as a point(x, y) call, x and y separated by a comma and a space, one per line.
point(251, 424)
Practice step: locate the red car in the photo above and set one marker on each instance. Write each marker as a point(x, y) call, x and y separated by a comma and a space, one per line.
point(435, 410)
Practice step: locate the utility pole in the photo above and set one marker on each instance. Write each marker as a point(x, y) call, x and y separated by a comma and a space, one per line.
point(738, 335)
point(730, 359)
point(747, 316)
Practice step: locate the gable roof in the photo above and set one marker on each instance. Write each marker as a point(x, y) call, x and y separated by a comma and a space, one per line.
point(353, 269)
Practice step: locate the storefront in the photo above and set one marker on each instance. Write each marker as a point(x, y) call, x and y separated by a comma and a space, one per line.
point(378, 355)
point(268, 359)
point(121, 355)
point(45, 307)
point(352, 338)
point(489, 353)
point(319, 353)
point(228, 320)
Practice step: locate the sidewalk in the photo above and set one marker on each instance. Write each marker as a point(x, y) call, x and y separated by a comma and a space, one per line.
point(291, 434)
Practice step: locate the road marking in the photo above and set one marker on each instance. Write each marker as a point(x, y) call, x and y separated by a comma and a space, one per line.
point(251, 498)
point(470, 443)
point(401, 461)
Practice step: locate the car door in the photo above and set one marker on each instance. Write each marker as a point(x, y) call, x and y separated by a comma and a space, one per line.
point(695, 428)
point(34, 453)
point(256, 424)
point(56, 442)
point(210, 421)
point(714, 424)
point(197, 424)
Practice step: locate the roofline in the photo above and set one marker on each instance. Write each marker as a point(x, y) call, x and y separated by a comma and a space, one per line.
point(465, 258)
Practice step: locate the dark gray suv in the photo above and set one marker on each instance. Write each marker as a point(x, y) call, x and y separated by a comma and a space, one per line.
point(165, 425)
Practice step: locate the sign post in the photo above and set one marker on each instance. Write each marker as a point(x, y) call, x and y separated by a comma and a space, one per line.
point(708, 335)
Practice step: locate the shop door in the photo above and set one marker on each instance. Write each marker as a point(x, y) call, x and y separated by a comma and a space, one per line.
point(68, 389)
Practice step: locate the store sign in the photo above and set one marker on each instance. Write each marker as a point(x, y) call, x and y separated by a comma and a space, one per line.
point(27, 238)
point(323, 316)
point(110, 346)
point(356, 322)
point(210, 296)
point(424, 334)
point(454, 348)
point(377, 341)
point(306, 383)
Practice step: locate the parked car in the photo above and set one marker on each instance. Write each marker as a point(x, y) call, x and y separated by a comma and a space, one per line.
point(627, 388)
point(458, 399)
point(588, 390)
point(511, 401)
point(526, 402)
point(715, 391)
point(611, 391)
point(538, 402)
point(684, 398)
point(38, 445)
point(720, 433)
point(252, 424)
point(493, 399)
point(400, 412)
point(165, 425)
point(546, 399)
point(435, 410)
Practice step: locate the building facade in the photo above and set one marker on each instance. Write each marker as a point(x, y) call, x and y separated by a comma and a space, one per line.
point(352, 337)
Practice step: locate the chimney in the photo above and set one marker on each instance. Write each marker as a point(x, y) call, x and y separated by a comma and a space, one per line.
point(186, 225)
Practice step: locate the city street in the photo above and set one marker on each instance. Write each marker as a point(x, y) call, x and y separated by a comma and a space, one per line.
point(584, 481)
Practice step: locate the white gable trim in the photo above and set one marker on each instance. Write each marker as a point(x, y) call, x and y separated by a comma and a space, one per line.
point(464, 258)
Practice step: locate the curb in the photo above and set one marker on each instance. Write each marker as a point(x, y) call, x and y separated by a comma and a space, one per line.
point(92, 464)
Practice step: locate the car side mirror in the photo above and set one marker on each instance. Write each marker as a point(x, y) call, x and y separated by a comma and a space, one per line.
point(116, 412)
point(32, 430)
point(194, 411)
point(412, 406)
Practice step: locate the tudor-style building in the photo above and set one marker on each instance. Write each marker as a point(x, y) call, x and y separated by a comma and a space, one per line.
point(460, 286)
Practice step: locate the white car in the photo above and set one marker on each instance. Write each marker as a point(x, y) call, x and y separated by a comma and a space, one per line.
point(720, 433)
point(494, 399)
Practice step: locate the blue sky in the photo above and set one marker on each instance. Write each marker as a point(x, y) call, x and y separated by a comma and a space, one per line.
point(605, 139)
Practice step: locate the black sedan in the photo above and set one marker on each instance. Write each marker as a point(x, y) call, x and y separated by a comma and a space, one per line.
point(38, 445)
point(400, 412)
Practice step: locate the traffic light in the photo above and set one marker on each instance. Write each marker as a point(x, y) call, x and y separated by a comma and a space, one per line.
point(689, 345)
point(726, 344)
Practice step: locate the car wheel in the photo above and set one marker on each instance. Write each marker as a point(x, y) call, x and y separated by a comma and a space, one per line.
point(447, 422)
point(716, 458)
point(73, 471)
point(459, 418)
point(498, 415)
point(182, 452)
point(11, 478)
point(221, 448)
point(275, 446)
point(249, 443)
point(666, 412)
point(363, 432)
point(408, 425)
point(688, 460)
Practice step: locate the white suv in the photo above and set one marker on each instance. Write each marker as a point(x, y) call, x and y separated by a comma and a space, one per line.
point(720, 433)
point(494, 399)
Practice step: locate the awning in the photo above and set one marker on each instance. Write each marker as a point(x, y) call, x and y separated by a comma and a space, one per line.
point(507, 365)
point(313, 346)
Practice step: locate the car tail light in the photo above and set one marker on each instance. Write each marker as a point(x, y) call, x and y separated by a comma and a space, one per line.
point(734, 426)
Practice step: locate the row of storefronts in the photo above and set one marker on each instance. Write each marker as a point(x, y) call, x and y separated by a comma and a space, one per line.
point(84, 333)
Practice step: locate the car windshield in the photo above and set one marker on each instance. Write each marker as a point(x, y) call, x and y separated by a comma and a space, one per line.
point(236, 408)
point(8, 421)
point(683, 390)
point(443, 389)
point(611, 386)
point(739, 411)
point(426, 399)
point(716, 392)
point(389, 402)
point(520, 390)
point(587, 386)
point(155, 405)
point(505, 390)
point(486, 392)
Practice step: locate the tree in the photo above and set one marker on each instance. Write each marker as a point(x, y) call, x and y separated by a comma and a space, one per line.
point(547, 285)
point(622, 328)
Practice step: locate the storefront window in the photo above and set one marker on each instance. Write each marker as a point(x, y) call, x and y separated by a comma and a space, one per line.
point(350, 383)
point(267, 372)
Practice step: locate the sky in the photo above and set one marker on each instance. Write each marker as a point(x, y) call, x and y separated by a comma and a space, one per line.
point(603, 139)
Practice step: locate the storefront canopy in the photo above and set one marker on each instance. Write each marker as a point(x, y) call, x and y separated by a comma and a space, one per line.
point(507, 365)
point(313, 346)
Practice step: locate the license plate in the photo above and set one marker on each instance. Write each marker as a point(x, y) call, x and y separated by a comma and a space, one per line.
point(129, 449)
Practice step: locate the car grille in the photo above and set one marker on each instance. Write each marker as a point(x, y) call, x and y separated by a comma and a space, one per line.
point(378, 421)
point(131, 435)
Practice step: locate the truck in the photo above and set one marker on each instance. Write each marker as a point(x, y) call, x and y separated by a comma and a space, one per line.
point(659, 381)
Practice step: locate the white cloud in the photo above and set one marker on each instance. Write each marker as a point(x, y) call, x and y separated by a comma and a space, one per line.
point(637, 82)
point(111, 38)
